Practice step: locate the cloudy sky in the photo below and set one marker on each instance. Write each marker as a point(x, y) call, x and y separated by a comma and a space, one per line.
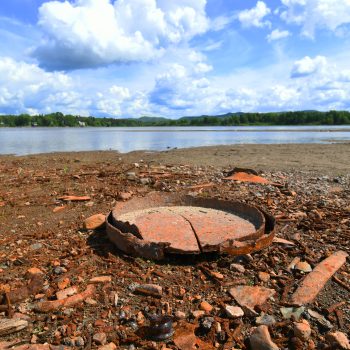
point(128, 58)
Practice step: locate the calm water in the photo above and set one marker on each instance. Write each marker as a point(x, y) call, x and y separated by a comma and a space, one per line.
point(22, 141)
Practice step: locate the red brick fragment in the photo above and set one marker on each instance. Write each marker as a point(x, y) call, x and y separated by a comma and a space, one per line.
point(315, 280)
point(74, 198)
point(48, 306)
point(94, 222)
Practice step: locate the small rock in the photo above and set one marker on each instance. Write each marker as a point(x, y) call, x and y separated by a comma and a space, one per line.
point(261, 339)
point(36, 246)
point(303, 266)
point(302, 330)
point(124, 195)
point(233, 311)
point(110, 346)
point(265, 320)
point(207, 322)
point(198, 313)
point(79, 341)
point(338, 340)
point(205, 306)
point(100, 338)
point(63, 283)
point(264, 276)
point(180, 315)
point(59, 270)
point(33, 271)
point(90, 301)
point(237, 268)
point(101, 279)
point(145, 181)
point(131, 176)
point(9, 326)
point(94, 222)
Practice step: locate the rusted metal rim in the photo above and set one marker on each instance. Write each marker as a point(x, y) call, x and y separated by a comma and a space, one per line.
point(128, 238)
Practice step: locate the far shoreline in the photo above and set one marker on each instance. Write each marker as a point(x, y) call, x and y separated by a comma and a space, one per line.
point(326, 159)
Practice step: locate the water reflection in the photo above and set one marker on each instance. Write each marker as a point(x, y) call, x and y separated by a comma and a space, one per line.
point(43, 140)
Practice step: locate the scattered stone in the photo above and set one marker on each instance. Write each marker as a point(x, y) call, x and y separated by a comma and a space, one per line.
point(94, 222)
point(302, 330)
point(233, 311)
point(205, 306)
point(65, 293)
point(100, 338)
point(145, 181)
point(33, 271)
point(292, 264)
point(198, 313)
point(101, 279)
point(339, 340)
point(180, 315)
point(261, 339)
point(217, 275)
point(315, 280)
point(265, 320)
point(79, 341)
point(9, 326)
point(289, 312)
point(207, 322)
point(131, 176)
point(303, 266)
point(248, 297)
point(74, 198)
point(90, 301)
point(63, 283)
point(124, 196)
point(58, 270)
point(237, 268)
point(278, 240)
point(264, 276)
point(36, 246)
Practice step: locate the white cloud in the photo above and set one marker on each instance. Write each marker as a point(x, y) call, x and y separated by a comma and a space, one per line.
point(254, 17)
point(307, 66)
point(277, 34)
point(313, 14)
point(90, 33)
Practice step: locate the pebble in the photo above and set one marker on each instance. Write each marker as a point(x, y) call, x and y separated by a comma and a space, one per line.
point(101, 279)
point(302, 330)
point(264, 276)
point(100, 338)
point(79, 341)
point(266, 320)
point(145, 181)
point(303, 266)
point(237, 268)
point(233, 311)
point(36, 246)
point(124, 195)
point(261, 339)
point(59, 270)
point(110, 346)
point(205, 306)
point(207, 322)
point(198, 313)
point(180, 315)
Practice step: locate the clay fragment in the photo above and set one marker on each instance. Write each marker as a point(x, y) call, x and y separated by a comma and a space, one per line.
point(47, 306)
point(74, 198)
point(315, 280)
point(249, 297)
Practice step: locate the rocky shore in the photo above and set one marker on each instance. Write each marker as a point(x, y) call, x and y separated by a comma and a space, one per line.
point(64, 285)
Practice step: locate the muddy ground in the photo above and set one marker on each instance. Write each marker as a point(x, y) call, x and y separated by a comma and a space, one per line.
point(39, 230)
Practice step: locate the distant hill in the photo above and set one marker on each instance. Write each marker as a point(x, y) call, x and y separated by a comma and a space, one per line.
point(146, 119)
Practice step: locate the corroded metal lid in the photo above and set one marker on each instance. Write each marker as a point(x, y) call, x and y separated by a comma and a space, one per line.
point(160, 224)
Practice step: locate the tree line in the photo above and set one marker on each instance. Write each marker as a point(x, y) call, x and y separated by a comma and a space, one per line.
point(230, 119)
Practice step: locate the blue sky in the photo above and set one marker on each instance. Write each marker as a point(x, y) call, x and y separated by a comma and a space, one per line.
point(128, 58)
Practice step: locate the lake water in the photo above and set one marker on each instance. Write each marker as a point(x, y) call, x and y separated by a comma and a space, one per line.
point(23, 141)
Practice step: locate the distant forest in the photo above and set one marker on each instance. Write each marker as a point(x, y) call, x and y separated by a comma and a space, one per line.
point(233, 119)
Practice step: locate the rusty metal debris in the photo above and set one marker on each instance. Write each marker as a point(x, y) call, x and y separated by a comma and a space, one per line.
point(161, 224)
